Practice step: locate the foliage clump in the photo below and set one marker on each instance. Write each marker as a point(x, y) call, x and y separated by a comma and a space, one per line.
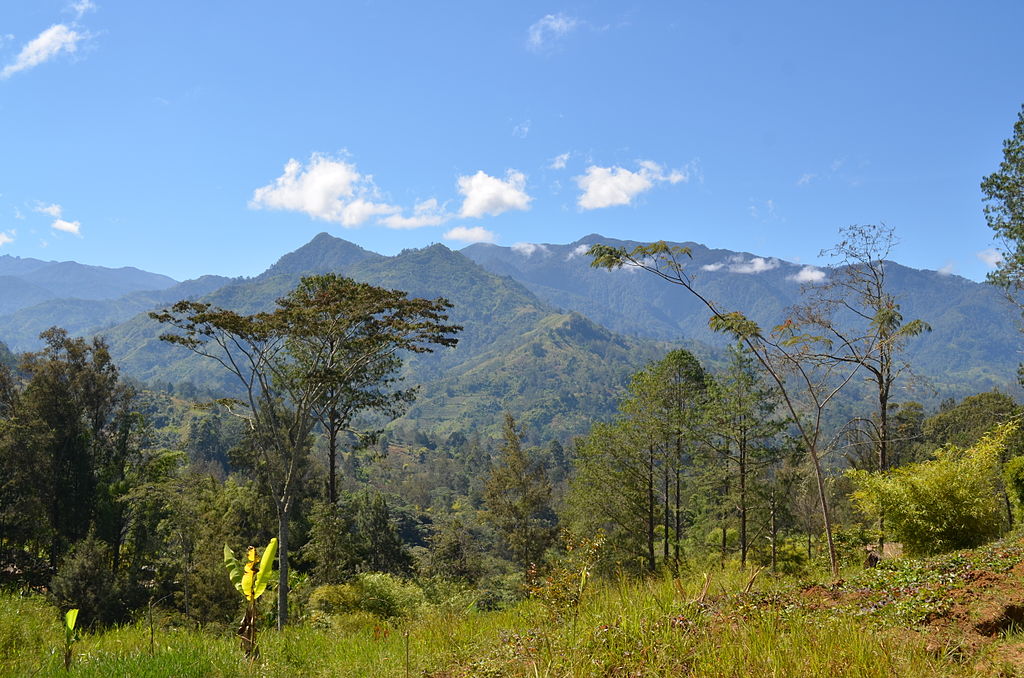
point(948, 503)
point(378, 593)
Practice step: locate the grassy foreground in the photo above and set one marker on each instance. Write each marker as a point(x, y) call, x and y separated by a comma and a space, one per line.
point(953, 616)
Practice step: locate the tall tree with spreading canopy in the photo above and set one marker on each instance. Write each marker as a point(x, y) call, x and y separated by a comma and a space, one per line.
point(1003, 192)
point(857, 321)
point(290, 361)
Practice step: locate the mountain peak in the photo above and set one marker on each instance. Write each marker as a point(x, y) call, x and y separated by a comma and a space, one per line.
point(323, 254)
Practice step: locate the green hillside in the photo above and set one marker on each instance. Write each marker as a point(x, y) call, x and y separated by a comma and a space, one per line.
point(973, 345)
point(558, 372)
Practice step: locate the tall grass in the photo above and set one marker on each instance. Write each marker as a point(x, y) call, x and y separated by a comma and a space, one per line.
point(622, 628)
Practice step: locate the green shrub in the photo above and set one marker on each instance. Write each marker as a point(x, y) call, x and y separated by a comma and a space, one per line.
point(951, 502)
point(381, 594)
point(1013, 479)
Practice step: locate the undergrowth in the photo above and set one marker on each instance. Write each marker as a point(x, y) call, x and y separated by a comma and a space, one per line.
point(868, 625)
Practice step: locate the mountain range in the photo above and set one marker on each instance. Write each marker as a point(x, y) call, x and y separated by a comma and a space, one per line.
point(546, 336)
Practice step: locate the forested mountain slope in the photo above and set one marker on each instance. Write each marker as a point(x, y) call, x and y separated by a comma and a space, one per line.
point(515, 353)
point(973, 345)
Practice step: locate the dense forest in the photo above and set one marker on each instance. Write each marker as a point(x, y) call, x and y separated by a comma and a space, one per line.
point(780, 451)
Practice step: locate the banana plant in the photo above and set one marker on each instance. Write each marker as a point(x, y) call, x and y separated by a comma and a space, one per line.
point(251, 579)
point(70, 618)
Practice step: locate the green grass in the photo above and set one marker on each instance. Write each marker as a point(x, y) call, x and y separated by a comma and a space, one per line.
point(622, 628)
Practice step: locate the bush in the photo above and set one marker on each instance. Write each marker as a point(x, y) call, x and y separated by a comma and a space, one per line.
point(1013, 479)
point(934, 506)
point(381, 594)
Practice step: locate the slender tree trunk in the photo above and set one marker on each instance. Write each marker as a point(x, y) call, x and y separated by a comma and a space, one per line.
point(283, 514)
point(650, 511)
point(774, 530)
point(883, 451)
point(332, 456)
point(665, 519)
point(825, 513)
point(743, 503)
point(678, 526)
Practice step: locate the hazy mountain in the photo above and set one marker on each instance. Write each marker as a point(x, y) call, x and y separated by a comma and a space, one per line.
point(91, 316)
point(40, 280)
point(973, 345)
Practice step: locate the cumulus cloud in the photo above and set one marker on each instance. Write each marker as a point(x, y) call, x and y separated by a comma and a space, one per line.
point(578, 251)
point(44, 47)
point(527, 249)
point(611, 186)
point(328, 189)
point(6, 237)
point(426, 213)
point(53, 210)
point(522, 130)
point(947, 269)
point(67, 226)
point(485, 194)
point(59, 224)
point(991, 256)
point(548, 30)
point(737, 264)
point(808, 274)
point(559, 161)
point(467, 234)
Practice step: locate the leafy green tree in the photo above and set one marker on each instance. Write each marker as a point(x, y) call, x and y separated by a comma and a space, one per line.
point(349, 339)
point(286, 370)
point(518, 501)
point(668, 399)
point(743, 428)
point(615, 490)
point(1004, 212)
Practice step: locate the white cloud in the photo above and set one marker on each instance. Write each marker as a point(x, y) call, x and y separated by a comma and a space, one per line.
point(80, 7)
point(808, 274)
point(47, 45)
point(610, 186)
point(6, 237)
point(53, 210)
point(991, 256)
point(736, 264)
point(327, 188)
point(559, 161)
point(527, 249)
point(66, 226)
point(755, 265)
point(947, 269)
point(521, 130)
point(578, 251)
point(426, 213)
point(806, 179)
point(485, 194)
point(467, 234)
point(549, 29)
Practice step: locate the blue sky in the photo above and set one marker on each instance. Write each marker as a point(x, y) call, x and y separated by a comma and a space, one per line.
point(211, 137)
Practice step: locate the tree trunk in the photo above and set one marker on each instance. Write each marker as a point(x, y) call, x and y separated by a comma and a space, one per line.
point(774, 531)
point(678, 526)
point(332, 456)
point(665, 521)
point(743, 503)
point(650, 511)
point(283, 514)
